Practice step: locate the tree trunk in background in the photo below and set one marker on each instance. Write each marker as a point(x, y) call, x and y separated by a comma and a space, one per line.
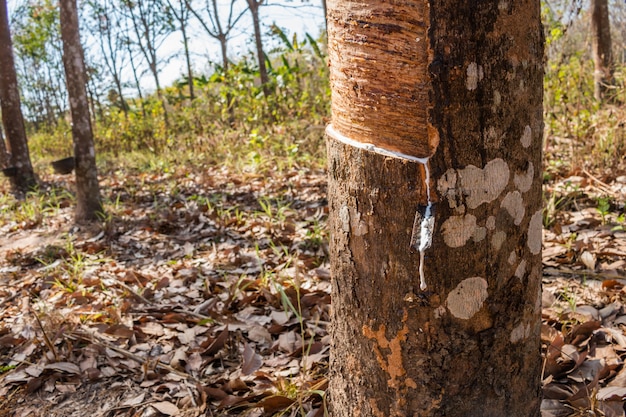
point(182, 17)
point(88, 203)
point(137, 83)
point(109, 41)
point(254, 5)
point(192, 96)
point(23, 177)
point(601, 49)
point(150, 27)
point(458, 84)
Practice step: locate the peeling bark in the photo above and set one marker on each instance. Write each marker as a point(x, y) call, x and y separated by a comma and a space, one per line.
point(468, 96)
point(88, 203)
point(23, 179)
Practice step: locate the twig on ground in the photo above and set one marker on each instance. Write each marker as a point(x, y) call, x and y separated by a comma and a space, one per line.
point(602, 186)
point(92, 338)
point(47, 340)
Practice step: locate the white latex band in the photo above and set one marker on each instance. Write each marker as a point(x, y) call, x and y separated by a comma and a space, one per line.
point(330, 131)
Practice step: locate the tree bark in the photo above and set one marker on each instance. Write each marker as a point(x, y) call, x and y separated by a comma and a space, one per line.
point(601, 49)
point(23, 178)
point(254, 5)
point(88, 203)
point(434, 159)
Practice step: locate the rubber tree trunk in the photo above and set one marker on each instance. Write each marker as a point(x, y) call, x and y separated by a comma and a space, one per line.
point(22, 176)
point(435, 174)
point(601, 49)
point(88, 202)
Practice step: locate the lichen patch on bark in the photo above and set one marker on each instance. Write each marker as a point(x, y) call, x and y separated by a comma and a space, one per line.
point(484, 185)
point(480, 233)
point(497, 99)
point(514, 205)
point(475, 73)
point(457, 230)
point(520, 271)
point(527, 137)
point(534, 233)
point(524, 181)
point(498, 239)
point(447, 187)
point(474, 185)
point(520, 332)
point(344, 217)
point(359, 226)
point(467, 298)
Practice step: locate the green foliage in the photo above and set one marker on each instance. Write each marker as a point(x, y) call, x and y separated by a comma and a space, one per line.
point(37, 44)
point(34, 209)
point(558, 200)
point(7, 368)
point(580, 132)
point(603, 208)
point(230, 122)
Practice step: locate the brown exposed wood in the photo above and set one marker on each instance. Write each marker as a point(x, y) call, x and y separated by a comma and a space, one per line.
point(601, 48)
point(469, 344)
point(380, 53)
point(12, 119)
point(88, 203)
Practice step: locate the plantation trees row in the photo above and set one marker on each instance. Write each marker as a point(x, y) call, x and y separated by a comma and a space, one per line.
point(127, 42)
point(17, 162)
point(123, 38)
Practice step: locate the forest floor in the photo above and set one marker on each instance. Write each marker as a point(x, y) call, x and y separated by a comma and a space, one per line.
point(206, 292)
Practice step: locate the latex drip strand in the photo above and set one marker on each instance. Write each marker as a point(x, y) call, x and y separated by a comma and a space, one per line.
point(423, 226)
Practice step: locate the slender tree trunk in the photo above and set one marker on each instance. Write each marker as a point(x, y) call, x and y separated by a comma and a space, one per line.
point(224, 50)
point(159, 91)
point(110, 61)
point(120, 92)
point(230, 100)
point(137, 83)
point(187, 57)
point(22, 178)
point(253, 5)
point(88, 203)
point(150, 53)
point(434, 157)
point(601, 49)
point(94, 102)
